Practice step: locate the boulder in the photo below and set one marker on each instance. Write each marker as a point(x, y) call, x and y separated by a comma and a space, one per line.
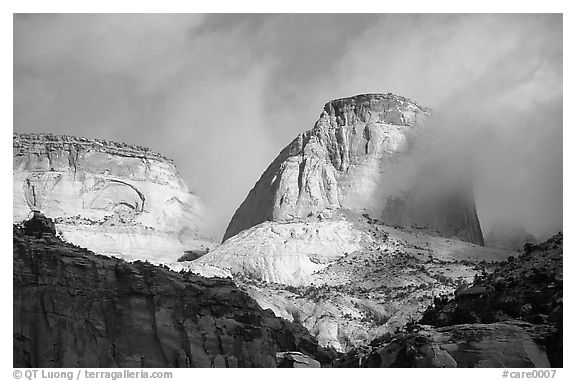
point(191, 255)
point(295, 360)
point(38, 225)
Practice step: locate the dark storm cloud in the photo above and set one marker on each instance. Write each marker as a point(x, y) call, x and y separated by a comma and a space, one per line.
point(222, 94)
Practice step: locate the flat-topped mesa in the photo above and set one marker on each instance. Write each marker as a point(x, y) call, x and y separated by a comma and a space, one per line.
point(376, 108)
point(356, 158)
point(41, 143)
point(112, 198)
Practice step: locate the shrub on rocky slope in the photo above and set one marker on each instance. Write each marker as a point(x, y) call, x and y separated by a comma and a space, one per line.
point(511, 317)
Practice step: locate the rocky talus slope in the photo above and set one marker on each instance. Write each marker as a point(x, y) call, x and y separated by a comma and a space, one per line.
point(73, 308)
point(113, 198)
point(356, 158)
point(511, 317)
point(365, 278)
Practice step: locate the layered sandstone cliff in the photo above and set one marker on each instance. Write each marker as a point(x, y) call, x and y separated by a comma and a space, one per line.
point(112, 198)
point(73, 308)
point(359, 157)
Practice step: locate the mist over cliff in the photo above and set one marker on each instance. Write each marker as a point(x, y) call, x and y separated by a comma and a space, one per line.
point(366, 155)
point(354, 176)
point(222, 94)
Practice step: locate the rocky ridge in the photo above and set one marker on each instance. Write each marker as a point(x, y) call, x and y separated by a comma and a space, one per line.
point(509, 317)
point(113, 198)
point(73, 308)
point(48, 144)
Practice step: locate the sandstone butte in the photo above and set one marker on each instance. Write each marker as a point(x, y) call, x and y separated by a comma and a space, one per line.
point(356, 158)
point(365, 156)
point(353, 228)
point(112, 198)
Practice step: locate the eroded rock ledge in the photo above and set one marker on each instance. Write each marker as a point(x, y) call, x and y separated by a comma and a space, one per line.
point(376, 108)
point(44, 143)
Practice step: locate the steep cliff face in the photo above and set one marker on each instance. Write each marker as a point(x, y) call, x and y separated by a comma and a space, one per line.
point(356, 158)
point(112, 198)
point(73, 308)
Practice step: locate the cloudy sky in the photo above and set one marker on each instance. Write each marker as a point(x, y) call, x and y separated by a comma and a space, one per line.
point(223, 94)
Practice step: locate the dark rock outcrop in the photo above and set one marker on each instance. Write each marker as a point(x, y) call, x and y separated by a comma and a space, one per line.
point(295, 360)
point(190, 255)
point(528, 288)
point(73, 308)
point(511, 317)
point(38, 225)
point(461, 346)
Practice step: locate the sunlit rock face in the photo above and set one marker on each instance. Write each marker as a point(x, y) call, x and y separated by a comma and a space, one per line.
point(359, 157)
point(287, 253)
point(112, 198)
point(347, 279)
